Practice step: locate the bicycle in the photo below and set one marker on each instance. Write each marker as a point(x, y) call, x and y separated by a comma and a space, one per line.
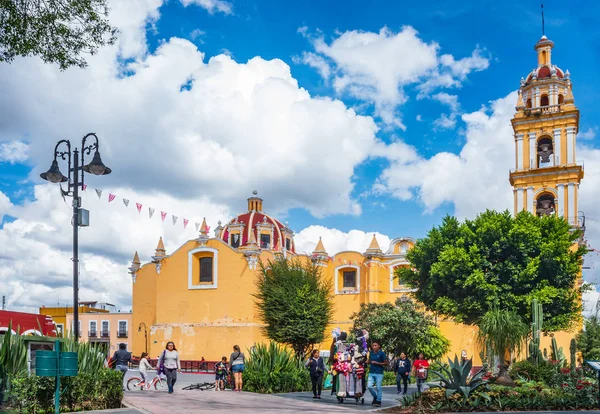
point(135, 383)
point(205, 386)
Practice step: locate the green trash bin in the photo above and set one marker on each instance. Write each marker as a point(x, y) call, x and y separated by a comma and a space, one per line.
point(45, 363)
point(68, 364)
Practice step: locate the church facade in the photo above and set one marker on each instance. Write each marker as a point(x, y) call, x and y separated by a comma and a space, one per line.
point(200, 295)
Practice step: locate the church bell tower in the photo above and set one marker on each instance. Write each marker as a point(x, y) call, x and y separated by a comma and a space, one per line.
point(546, 176)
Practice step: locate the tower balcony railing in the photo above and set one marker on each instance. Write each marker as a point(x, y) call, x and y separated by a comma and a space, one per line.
point(542, 110)
point(554, 162)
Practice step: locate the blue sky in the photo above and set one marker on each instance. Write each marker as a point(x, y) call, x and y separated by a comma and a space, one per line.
point(488, 47)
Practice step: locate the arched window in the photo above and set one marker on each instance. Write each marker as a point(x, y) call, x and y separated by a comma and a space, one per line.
point(544, 100)
point(528, 104)
point(561, 99)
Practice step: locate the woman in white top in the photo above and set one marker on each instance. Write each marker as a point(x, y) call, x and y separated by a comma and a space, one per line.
point(169, 360)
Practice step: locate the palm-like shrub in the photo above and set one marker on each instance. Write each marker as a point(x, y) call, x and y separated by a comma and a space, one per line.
point(454, 378)
point(274, 369)
point(502, 332)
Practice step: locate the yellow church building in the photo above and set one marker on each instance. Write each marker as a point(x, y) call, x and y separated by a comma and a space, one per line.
point(200, 295)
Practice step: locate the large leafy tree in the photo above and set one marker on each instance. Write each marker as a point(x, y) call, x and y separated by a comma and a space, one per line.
point(58, 31)
point(295, 303)
point(463, 270)
point(401, 327)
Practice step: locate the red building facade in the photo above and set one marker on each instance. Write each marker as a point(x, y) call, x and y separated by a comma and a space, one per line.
point(27, 323)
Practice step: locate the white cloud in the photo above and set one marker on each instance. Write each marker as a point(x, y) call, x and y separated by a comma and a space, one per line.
point(472, 180)
point(336, 241)
point(197, 35)
point(447, 121)
point(212, 6)
point(375, 67)
point(587, 135)
point(315, 61)
point(14, 152)
point(241, 126)
point(419, 118)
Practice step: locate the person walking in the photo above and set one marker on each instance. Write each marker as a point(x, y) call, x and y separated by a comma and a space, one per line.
point(402, 370)
point(237, 360)
point(377, 362)
point(121, 360)
point(421, 367)
point(317, 367)
point(169, 363)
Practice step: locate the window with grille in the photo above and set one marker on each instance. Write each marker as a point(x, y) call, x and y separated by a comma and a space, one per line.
point(206, 269)
point(350, 279)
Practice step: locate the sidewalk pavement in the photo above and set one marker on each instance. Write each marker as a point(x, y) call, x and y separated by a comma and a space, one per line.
point(196, 401)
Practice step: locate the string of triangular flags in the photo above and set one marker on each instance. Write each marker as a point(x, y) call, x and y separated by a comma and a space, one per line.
point(140, 206)
point(368, 264)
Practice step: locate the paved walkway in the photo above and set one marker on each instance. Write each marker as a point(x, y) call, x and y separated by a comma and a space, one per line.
point(195, 401)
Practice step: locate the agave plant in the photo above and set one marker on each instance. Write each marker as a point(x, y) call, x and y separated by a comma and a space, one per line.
point(454, 378)
point(13, 359)
point(90, 359)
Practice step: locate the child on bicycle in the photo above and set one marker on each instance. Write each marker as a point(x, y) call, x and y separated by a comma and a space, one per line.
point(220, 373)
point(144, 367)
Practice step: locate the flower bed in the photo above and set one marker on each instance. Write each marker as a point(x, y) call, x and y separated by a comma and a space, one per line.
point(565, 390)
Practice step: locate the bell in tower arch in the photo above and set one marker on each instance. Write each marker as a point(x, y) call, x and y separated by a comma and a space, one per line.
point(545, 205)
point(545, 150)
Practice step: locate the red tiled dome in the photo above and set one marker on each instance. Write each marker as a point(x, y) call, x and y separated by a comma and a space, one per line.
point(543, 72)
point(251, 220)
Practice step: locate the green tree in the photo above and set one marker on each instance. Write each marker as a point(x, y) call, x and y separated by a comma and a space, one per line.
point(295, 303)
point(588, 340)
point(502, 332)
point(401, 327)
point(463, 270)
point(58, 31)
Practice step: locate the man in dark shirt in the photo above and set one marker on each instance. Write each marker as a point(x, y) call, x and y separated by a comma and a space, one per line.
point(377, 362)
point(122, 358)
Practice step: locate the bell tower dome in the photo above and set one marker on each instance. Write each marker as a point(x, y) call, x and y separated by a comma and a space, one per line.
point(546, 176)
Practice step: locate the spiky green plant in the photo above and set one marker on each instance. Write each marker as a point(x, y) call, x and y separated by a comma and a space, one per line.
point(537, 320)
point(503, 332)
point(573, 353)
point(455, 378)
point(13, 359)
point(557, 353)
point(90, 359)
point(273, 368)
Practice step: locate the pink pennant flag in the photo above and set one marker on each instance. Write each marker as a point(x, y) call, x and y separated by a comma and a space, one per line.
point(163, 215)
point(139, 207)
point(111, 197)
point(185, 222)
point(207, 229)
point(84, 187)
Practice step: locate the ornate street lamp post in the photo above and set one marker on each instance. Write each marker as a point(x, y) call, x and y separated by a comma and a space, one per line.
point(75, 180)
